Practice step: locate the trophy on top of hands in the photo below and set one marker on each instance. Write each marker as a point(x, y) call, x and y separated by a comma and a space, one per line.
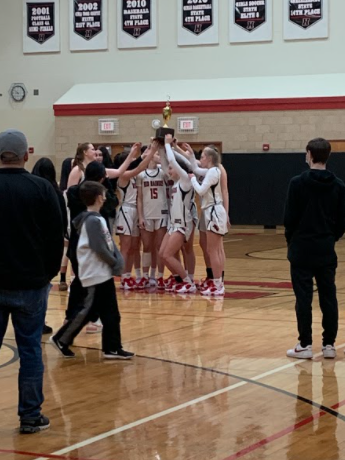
point(161, 132)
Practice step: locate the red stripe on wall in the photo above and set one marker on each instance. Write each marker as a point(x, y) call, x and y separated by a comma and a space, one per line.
point(181, 107)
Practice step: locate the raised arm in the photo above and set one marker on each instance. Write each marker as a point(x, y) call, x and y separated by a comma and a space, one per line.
point(143, 165)
point(194, 164)
point(178, 149)
point(171, 157)
point(114, 173)
point(164, 161)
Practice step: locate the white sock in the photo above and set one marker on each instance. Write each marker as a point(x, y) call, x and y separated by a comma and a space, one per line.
point(160, 275)
point(153, 273)
point(191, 276)
point(186, 279)
point(138, 273)
point(146, 276)
point(218, 282)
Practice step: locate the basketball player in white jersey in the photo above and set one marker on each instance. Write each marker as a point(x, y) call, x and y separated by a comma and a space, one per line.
point(127, 219)
point(153, 215)
point(188, 247)
point(189, 154)
point(214, 214)
point(181, 221)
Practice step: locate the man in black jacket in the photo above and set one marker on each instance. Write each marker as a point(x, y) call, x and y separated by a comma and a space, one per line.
point(31, 236)
point(314, 221)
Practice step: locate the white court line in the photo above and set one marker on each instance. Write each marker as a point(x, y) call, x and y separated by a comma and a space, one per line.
point(141, 421)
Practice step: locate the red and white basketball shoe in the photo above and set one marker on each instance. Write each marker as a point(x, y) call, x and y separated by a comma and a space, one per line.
point(143, 283)
point(185, 288)
point(205, 284)
point(171, 286)
point(160, 284)
point(128, 284)
point(213, 290)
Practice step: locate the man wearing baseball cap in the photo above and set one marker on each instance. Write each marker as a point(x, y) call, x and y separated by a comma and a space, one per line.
point(31, 245)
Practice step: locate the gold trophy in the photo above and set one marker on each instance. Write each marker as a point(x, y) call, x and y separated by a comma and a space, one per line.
point(161, 132)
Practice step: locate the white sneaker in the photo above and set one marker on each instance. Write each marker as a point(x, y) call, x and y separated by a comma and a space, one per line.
point(185, 288)
point(329, 351)
point(300, 352)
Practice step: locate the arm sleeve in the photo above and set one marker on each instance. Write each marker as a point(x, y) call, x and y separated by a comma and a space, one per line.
point(183, 159)
point(196, 168)
point(97, 240)
point(171, 158)
point(164, 161)
point(54, 233)
point(291, 211)
point(340, 223)
point(63, 209)
point(210, 179)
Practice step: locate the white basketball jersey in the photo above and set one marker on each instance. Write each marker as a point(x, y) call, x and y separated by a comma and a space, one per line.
point(214, 193)
point(200, 180)
point(128, 194)
point(180, 206)
point(153, 186)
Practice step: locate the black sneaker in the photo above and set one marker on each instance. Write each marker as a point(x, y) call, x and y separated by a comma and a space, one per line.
point(119, 354)
point(31, 426)
point(47, 329)
point(63, 349)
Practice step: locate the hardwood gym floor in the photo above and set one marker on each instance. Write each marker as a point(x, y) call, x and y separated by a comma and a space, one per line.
point(211, 380)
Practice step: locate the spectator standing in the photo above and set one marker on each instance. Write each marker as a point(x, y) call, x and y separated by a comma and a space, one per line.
point(314, 220)
point(31, 235)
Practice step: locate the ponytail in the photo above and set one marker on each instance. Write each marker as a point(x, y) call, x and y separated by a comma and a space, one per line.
point(80, 156)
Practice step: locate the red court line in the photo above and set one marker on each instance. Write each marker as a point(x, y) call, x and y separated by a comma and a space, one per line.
point(36, 454)
point(269, 284)
point(281, 433)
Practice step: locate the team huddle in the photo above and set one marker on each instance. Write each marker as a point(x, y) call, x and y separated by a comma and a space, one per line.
point(157, 188)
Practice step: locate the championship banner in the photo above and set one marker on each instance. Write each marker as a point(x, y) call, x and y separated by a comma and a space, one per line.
point(88, 25)
point(41, 26)
point(136, 23)
point(197, 22)
point(250, 21)
point(305, 19)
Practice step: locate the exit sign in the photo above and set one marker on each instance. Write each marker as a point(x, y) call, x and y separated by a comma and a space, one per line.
point(107, 126)
point(186, 125)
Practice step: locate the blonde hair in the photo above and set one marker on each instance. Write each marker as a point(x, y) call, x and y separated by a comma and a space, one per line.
point(212, 152)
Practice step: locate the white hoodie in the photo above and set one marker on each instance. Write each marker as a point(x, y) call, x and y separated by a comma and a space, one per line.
point(98, 257)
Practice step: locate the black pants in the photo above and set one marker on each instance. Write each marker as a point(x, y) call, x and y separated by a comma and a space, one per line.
point(302, 282)
point(100, 300)
point(77, 294)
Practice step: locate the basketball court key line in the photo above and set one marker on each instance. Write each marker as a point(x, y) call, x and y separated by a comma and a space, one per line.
point(150, 418)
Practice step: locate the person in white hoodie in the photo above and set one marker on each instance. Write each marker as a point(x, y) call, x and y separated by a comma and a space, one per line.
point(98, 260)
